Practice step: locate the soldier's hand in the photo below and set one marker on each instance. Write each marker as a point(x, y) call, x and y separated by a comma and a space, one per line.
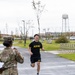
point(16, 51)
point(15, 48)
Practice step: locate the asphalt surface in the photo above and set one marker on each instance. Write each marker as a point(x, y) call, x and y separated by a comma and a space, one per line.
point(51, 65)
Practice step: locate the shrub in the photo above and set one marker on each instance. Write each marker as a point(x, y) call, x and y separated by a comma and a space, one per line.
point(62, 39)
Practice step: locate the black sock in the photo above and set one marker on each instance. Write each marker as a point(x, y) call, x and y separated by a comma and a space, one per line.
point(37, 73)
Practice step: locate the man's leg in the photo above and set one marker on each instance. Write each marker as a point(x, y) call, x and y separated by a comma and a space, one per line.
point(32, 64)
point(32, 61)
point(38, 67)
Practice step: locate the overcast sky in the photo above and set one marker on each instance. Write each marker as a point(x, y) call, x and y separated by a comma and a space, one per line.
point(12, 12)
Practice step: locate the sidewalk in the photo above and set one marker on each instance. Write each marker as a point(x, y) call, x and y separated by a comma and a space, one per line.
point(51, 65)
point(53, 52)
point(61, 51)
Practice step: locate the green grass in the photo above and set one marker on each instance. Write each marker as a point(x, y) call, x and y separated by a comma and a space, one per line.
point(21, 44)
point(53, 46)
point(47, 47)
point(68, 56)
point(72, 41)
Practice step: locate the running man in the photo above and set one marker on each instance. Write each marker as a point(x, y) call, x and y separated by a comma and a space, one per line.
point(34, 50)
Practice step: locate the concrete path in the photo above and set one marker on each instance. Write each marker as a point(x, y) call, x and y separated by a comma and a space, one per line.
point(51, 64)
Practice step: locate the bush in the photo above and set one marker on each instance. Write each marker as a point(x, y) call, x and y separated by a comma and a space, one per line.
point(62, 39)
point(20, 41)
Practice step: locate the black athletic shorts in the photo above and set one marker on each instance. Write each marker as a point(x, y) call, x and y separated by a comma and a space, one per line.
point(34, 59)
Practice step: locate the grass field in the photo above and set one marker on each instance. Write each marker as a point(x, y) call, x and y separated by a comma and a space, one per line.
point(68, 56)
point(53, 46)
point(47, 47)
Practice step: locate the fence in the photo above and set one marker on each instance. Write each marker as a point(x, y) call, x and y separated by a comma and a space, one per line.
point(67, 48)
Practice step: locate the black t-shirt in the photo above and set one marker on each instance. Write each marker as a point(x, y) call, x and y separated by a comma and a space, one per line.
point(35, 48)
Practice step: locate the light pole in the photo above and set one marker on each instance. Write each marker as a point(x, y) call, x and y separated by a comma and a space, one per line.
point(24, 32)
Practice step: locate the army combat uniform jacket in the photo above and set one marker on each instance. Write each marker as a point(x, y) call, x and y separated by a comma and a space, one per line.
point(10, 57)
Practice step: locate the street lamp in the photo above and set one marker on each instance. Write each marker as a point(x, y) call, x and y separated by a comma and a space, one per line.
point(24, 32)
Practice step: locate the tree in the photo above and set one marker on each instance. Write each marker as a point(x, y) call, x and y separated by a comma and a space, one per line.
point(39, 9)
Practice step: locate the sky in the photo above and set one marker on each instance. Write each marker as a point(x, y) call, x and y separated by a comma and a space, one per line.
point(12, 12)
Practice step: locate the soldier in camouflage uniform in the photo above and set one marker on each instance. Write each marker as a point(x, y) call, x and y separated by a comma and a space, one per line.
point(10, 57)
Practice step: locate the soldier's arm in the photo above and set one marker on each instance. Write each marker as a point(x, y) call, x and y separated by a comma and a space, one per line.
point(1, 57)
point(19, 57)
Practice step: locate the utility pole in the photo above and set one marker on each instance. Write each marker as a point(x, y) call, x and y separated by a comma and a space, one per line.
point(24, 32)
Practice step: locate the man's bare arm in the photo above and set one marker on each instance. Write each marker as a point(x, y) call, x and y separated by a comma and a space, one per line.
point(29, 49)
point(42, 49)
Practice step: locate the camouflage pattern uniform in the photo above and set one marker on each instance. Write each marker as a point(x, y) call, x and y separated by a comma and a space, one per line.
point(10, 57)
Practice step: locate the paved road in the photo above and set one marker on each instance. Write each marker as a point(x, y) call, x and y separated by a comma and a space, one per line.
point(51, 65)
